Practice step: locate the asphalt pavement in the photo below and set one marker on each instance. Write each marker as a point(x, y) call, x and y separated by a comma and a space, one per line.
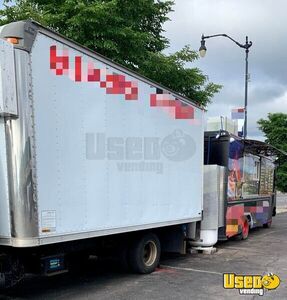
point(193, 276)
point(281, 202)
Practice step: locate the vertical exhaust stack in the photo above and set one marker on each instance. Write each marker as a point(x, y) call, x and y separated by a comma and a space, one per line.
point(213, 207)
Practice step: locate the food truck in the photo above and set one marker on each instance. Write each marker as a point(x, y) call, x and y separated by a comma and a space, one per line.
point(249, 193)
point(239, 189)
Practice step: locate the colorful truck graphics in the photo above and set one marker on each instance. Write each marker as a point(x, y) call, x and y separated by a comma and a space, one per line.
point(250, 195)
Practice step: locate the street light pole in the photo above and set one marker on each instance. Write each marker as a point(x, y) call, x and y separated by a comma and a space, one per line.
point(246, 46)
point(246, 87)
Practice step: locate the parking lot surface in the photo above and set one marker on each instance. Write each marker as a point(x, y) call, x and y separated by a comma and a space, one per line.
point(194, 276)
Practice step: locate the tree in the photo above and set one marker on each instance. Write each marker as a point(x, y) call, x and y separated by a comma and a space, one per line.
point(275, 130)
point(128, 32)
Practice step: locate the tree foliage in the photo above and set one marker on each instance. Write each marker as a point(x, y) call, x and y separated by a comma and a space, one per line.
point(128, 32)
point(275, 130)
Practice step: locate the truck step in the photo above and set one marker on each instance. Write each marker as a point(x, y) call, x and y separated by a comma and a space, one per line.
point(203, 250)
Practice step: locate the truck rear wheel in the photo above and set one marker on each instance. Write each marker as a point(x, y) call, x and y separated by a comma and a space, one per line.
point(245, 230)
point(144, 254)
point(243, 235)
point(268, 224)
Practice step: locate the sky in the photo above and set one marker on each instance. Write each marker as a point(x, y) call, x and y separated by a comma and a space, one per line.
point(265, 23)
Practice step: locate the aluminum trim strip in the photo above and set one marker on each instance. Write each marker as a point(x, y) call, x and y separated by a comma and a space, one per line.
point(230, 203)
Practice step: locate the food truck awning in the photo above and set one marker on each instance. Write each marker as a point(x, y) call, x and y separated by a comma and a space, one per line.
point(262, 148)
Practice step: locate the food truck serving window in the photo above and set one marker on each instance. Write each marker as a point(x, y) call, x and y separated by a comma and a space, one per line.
point(235, 169)
point(266, 176)
point(251, 173)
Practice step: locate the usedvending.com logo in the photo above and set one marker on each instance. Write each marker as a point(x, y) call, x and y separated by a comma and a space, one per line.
point(251, 284)
point(140, 153)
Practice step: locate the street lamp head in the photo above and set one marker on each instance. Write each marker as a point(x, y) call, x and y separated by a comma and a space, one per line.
point(202, 49)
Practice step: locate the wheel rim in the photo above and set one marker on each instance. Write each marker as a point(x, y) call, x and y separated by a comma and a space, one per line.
point(245, 229)
point(149, 253)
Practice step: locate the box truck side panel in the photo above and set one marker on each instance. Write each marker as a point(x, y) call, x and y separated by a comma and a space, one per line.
point(108, 159)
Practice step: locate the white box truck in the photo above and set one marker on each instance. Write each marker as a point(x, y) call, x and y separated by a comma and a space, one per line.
point(93, 157)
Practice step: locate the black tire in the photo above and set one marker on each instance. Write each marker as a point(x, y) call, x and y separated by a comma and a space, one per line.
point(144, 254)
point(268, 224)
point(238, 237)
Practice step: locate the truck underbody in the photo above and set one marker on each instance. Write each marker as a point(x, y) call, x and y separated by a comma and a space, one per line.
point(138, 252)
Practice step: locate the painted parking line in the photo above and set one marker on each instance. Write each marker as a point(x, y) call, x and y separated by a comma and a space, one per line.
point(192, 270)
